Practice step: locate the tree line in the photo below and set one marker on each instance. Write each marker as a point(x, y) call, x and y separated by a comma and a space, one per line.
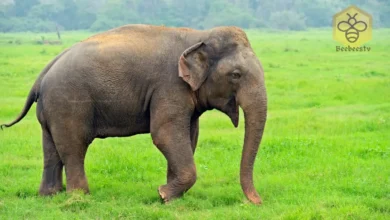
point(97, 15)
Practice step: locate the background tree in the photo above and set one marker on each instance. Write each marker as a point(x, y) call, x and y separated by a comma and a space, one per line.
point(97, 15)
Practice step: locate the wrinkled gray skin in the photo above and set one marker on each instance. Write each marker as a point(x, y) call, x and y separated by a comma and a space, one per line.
point(147, 79)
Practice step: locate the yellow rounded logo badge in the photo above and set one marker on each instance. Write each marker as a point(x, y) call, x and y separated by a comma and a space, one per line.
point(352, 26)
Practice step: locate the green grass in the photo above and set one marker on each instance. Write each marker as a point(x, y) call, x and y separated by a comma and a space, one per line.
point(325, 152)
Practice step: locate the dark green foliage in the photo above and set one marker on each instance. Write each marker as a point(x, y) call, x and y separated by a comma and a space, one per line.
point(43, 16)
point(288, 20)
point(22, 7)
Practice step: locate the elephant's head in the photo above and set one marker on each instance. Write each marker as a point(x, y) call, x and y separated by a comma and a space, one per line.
point(225, 73)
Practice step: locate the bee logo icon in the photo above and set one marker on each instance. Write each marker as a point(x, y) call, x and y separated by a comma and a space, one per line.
point(352, 27)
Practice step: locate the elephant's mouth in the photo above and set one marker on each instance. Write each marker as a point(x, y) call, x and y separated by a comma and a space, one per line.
point(232, 110)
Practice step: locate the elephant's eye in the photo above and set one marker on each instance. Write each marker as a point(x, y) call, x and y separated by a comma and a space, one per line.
point(236, 75)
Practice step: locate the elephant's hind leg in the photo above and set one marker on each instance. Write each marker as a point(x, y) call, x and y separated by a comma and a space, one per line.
point(72, 147)
point(75, 173)
point(72, 135)
point(52, 172)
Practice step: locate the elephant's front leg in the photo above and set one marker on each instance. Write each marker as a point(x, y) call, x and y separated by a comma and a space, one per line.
point(194, 133)
point(173, 140)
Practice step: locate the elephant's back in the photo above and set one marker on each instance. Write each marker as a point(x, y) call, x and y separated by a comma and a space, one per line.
point(135, 32)
point(124, 59)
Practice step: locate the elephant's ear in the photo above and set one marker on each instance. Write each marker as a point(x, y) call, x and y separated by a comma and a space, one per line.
point(193, 65)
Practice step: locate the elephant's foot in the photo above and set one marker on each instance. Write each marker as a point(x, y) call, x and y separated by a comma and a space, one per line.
point(177, 187)
point(80, 184)
point(82, 190)
point(76, 179)
point(48, 191)
point(52, 170)
point(167, 194)
point(51, 180)
point(162, 194)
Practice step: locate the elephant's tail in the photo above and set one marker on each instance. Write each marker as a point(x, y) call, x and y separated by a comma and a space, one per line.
point(34, 93)
point(30, 100)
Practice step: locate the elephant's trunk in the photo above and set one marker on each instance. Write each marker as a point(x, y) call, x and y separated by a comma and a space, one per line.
point(254, 106)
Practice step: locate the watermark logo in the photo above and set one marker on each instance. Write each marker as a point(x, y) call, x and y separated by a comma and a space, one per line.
point(352, 27)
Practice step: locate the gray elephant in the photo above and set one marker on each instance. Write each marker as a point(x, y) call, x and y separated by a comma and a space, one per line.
point(147, 79)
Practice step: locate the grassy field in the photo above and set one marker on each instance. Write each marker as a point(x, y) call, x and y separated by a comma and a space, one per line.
point(325, 152)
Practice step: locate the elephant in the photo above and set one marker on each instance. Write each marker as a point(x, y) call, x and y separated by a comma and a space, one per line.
point(138, 79)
